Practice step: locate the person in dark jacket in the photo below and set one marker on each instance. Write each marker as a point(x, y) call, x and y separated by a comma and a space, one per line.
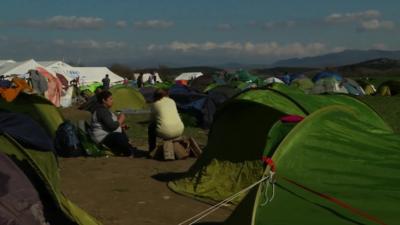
point(108, 128)
point(91, 104)
point(106, 82)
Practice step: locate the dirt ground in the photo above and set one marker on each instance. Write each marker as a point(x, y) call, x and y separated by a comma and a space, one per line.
point(127, 191)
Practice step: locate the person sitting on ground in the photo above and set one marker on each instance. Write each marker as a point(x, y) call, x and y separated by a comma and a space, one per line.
point(107, 128)
point(91, 103)
point(165, 121)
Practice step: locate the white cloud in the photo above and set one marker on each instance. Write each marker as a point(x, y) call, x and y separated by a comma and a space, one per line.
point(379, 46)
point(154, 24)
point(256, 49)
point(67, 22)
point(224, 26)
point(90, 44)
point(279, 24)
point(377, 24)
point(121, 24)
point(353, 16)
point(339, 49)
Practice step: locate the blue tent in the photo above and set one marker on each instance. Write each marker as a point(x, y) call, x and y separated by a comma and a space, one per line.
point(288, 78)
point(326, 74)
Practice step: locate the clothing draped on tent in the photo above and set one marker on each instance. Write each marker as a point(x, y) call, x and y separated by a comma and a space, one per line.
point(16, 86)
point(54, 89)
point(38, 82)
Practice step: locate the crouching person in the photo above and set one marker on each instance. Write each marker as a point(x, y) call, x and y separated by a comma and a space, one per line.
point(107, 128)
point(165, 121)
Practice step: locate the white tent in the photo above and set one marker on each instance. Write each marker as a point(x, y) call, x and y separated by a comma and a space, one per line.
point(272, 80)
point(18, 68)
point(328, 85)
point(62, 68)
point(189, 76)
point(146, 77)
point(2, 62)
point(90, 75)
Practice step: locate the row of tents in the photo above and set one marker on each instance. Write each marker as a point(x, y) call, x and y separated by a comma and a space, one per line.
point(59, 77)
point(332, 158)
point(322, 82)
point(328, 151)
point(201, 94)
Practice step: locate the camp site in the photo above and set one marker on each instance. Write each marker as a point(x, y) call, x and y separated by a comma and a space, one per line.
point(181, 113)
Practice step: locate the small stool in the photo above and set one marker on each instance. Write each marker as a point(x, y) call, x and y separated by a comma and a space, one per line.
point(171, 149)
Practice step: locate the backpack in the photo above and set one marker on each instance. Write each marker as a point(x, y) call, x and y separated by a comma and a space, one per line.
point(67, 142)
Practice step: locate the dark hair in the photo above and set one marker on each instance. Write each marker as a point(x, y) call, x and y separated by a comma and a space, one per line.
point(99, 89)
point(103, 96)
point(159, 94)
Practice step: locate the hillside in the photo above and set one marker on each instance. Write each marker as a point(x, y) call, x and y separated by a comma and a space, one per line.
point(372, 68)
point(267, 72)
point(338, 59)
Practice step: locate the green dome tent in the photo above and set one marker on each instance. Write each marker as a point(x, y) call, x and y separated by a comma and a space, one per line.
point(41, 167)
point(38, 108)
point(127, 99)
point(368, 87)
point(389, 88)
point(245, 76)
point(92, 87)
point(347, 172)
point(303, 83)
point(239, 136)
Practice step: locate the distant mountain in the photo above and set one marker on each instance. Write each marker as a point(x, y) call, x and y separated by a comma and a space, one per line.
point(237, 66)
point(282, 70)
point(376, 67)
point(338, 59)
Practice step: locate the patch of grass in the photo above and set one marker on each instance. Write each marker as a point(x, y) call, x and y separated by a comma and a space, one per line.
point(138, 130)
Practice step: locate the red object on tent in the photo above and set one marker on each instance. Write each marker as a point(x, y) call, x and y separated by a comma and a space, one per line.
point(291, 119)
point(54, 90)
point(63, 80)
point(182, 82)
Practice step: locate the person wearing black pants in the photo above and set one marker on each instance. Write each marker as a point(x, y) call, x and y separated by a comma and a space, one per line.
point(152, 136)
point(107, 128)
point(119, 142)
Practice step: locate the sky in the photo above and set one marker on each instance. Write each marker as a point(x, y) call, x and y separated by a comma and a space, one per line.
point(193, 32)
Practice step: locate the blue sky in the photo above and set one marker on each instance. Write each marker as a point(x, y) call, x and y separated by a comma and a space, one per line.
point(189, 32)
